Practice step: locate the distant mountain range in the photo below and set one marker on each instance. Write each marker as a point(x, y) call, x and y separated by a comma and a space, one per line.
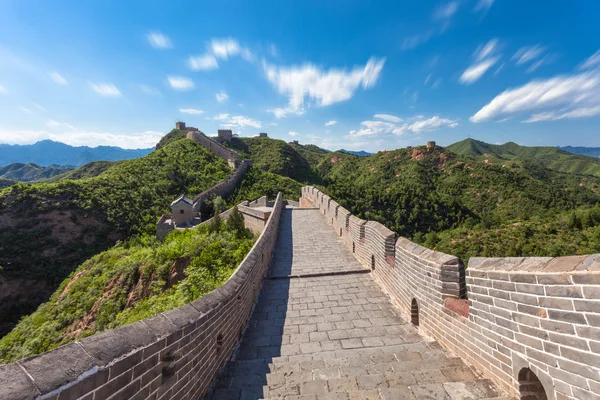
point(48, 152)
point(360, 153)
point(584, 151)
point(31, 172)
point(550, 157)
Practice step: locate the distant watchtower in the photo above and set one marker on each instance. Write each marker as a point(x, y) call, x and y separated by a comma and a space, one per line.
point(430, 144)
point(180, 125)
point(263, 134)
point(224, 135)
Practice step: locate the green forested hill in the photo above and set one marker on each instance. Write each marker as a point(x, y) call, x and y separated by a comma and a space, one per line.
point(88, 170)
point(133, 280)
point(548, 157)
point(47, 229)
point(278, 157)
point(467, 206)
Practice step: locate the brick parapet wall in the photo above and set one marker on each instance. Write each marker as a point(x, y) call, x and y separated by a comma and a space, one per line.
point(176, 354)
point(540, 313)
point(217, 148)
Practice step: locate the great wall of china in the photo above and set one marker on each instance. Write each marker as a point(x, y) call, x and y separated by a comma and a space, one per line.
point(327, 305)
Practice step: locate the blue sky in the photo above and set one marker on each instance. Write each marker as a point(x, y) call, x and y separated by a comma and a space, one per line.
point(369, 75)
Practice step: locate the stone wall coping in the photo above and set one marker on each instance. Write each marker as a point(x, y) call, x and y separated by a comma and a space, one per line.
point(59, 368)
point(550, 265)
point(382, 229)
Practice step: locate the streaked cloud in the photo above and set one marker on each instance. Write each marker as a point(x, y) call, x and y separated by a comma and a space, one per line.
point(410, 42)
point(3, 90)
point(149, 90)
point(560, 97)
point(180, 82)
point(446, 11)
point(25, 110)
point(204, 62)
point(535, 56)
point(222, 96)
point(284, 112)
point(417, 124)
point(323, 87)
point(193, 111)
point(293, 133)
point(220, 117)
point(106, 89)
point(388, 117)
point(592, 62)
point(331, 123)
point(485, 57)
point(55, 124)
point(58, 78)
point(483, 5)
point(159, 41)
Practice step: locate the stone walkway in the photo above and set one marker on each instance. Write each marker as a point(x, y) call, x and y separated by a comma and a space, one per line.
point(336, 336)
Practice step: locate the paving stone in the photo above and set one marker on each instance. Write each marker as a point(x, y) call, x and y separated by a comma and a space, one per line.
point(338, 336)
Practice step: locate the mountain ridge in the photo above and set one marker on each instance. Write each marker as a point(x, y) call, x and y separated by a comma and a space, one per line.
point(48, 152)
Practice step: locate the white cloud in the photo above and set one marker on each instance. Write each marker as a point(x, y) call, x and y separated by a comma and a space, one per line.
point(559, 97)
point(192, 111)
point(388, 117)
point(222, 96)
point(241, 121)
point(180, 82)
point(58, 78)
point(283, 112)
point(331, 123)
point(204, 62)
point(411, 42)
point(3, 90)
point(273, 124)
point(273, 50)
point(486, 50)
point(220, 117)
point(25, 110)
point(224, 48)
point(379, 128)
point(159, 41)
point(325, 87)
point(106, 89)
point(133, 140)
point(149, 90)
point(476, 71)
point(292, 133)
point(446, 11)
point(528, 53)
point(483, 5)
point(55, 124)
point(485, 57)
point(592, 62)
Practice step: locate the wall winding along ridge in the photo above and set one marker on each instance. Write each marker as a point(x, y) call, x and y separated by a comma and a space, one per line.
point(523, 316)
point(176, 354)
point(165, 223)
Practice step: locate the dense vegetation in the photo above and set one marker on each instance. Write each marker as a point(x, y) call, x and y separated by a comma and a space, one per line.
point(278, 157)
point(257, 183)
point(173, 136)
point(131, 281)
point(47, 229)
point(6, 182)
point(548, 157)
point(88, 170)
point(466, 206)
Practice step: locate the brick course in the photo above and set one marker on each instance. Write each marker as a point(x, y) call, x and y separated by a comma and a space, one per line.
point(176, 354)
point(540, 313)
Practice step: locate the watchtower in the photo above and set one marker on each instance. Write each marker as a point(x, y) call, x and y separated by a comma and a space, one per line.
point(180, 125)
point(430, 144)
point(224, 135)
point(263, 134)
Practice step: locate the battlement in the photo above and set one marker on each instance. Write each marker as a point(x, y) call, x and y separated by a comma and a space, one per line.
point(522, 321)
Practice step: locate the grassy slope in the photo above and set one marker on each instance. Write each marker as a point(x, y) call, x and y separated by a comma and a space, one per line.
point(418, 191)
point(549, 157)
point(88, 170)
point(47, 229)
point(173, 136)
point(131, 281)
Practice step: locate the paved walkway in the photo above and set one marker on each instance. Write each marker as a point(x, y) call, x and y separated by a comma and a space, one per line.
point(336, 336)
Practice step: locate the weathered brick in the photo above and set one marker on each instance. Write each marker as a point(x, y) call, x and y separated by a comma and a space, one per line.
point(573, 317)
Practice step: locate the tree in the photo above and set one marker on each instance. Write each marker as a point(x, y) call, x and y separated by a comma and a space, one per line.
point(215, 222)
point(235, 222)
